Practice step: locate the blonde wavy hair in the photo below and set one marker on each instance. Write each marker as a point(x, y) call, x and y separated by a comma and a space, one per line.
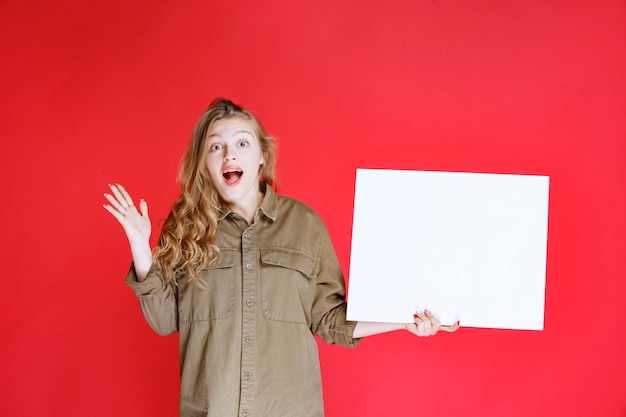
point(187, 241)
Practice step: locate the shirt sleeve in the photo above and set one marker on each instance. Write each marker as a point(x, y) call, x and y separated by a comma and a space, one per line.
point(329, 306)
point(157, 299)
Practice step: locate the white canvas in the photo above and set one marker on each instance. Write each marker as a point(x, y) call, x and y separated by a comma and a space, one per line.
point(466, 246)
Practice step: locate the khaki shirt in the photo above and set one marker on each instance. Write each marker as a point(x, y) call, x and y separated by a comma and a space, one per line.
point(246, 340)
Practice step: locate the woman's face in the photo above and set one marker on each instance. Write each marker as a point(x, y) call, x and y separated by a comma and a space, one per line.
point(233, 160)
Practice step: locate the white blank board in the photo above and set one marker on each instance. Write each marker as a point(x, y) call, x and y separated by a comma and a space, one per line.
point(466, 246)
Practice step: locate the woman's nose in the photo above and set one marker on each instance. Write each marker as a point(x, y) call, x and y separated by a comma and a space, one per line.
point(229, 156)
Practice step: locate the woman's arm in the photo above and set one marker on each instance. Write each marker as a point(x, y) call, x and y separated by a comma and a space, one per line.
point(157, 300)
point(425, 325)
point(136, 225)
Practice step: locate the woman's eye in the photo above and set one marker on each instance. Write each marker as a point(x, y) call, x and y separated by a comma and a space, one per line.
point(243, 143)
point(215, 147)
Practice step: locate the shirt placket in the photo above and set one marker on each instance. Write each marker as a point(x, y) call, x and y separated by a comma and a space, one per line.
point(249, 304)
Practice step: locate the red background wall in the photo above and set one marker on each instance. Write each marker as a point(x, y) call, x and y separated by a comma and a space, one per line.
point(97, 92)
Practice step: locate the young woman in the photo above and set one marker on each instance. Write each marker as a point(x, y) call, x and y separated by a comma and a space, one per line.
point(246, 276)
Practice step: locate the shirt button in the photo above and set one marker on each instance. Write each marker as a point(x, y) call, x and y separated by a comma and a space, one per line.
point(248, 266)
point(245, 413)
point(247, 376)
point(248, 339)
point(249, 302)
point(246, 235)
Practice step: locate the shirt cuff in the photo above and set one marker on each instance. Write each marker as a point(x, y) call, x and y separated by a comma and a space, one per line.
point(146, 288)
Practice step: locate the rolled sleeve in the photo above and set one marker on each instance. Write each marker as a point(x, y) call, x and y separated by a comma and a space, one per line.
point(157, 299)
point(329, 307)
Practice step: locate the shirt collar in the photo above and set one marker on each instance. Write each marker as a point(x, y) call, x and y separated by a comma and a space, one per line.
point(268, 205)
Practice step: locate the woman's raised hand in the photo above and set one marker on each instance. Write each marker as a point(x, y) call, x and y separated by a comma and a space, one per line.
point(136, 223)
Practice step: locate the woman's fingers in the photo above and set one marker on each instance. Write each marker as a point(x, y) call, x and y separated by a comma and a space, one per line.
point(121, 206)
point(113, 211)
point(435, 324)
point(136, 223)
point(143, 207)
point(123, 203)
point(452, 328)
point(114, 203)
point(426, 324)
point(121, 196)
point(125, 195)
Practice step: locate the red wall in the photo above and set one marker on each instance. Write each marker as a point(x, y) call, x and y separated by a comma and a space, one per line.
point(110, 91)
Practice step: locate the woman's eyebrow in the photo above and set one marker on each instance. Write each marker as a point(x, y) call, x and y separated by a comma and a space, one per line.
point(244, 131)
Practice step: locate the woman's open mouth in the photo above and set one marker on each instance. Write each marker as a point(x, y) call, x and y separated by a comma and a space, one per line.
point(232, 176)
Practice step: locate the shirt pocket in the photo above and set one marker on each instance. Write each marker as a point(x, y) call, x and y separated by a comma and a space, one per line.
point(215, 299)
point(287, 284)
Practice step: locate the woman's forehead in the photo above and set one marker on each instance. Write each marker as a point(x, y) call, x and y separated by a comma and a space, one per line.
point(231, 126)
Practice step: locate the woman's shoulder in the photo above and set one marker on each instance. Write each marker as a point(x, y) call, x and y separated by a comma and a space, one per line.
point(294, 207)
point(291, 203)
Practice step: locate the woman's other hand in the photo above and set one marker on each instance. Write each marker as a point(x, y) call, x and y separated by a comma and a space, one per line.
point(426, 324)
